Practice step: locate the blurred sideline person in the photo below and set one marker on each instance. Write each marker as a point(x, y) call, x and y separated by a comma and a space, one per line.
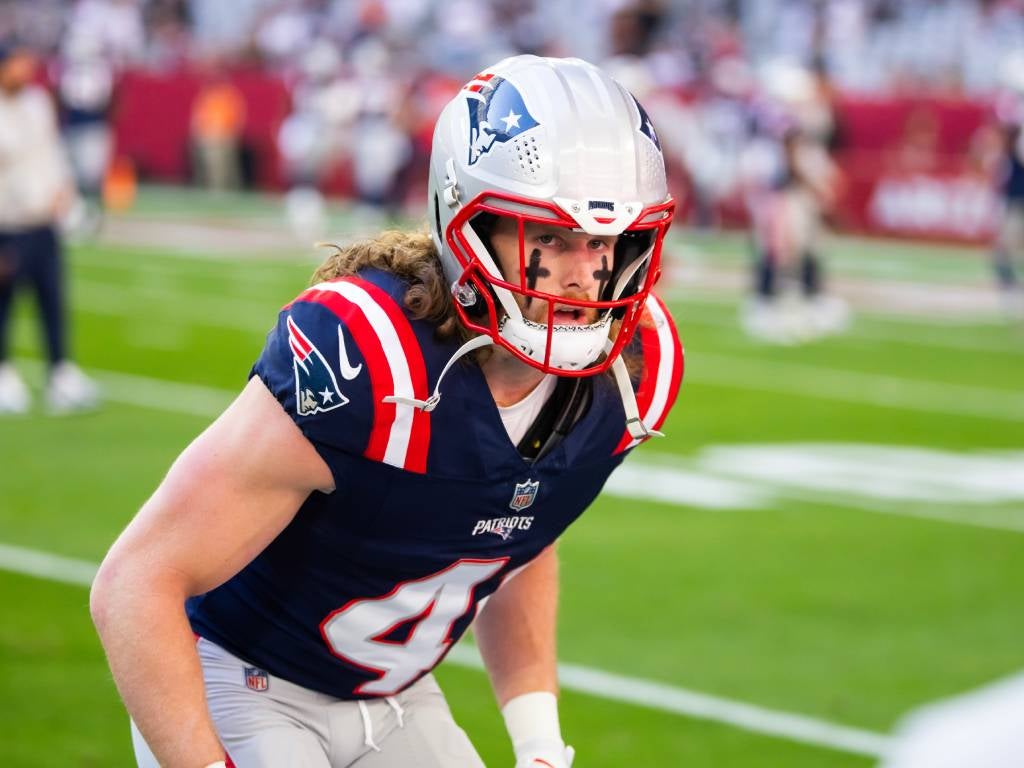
point(381, 147)
point(1010, 233)
point(420, 428)
point(85, 90)
point(793, 185)
point(980, 729)
point(36, 190)
point(218, 120)
point(1008, 134)
point(311, 136)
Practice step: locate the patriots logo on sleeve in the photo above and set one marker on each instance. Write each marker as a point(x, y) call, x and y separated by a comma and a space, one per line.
point(316, 388)
point(497, 113)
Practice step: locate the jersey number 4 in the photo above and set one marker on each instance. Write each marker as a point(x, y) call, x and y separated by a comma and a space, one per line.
point(406, 632)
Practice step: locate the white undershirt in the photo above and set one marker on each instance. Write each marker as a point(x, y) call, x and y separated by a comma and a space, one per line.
point(519, 417)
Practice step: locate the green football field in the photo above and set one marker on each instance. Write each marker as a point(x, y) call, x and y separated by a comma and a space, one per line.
point(830, 535)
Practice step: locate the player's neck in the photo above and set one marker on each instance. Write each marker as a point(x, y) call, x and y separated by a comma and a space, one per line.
point(508, 378)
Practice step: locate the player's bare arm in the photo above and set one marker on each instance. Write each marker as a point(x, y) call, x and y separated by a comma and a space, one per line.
point(229, 494)
point(516, 631)
point(516, 635)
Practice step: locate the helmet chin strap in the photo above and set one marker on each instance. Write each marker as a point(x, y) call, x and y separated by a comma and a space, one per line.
point(431, 402)
point(634, 424)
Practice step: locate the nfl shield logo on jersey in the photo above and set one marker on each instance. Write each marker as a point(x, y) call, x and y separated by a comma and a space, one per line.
point(524, 495)
point(256, 679)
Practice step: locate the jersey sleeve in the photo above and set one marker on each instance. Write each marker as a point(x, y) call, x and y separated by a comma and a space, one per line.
point(336, 352)
point(657, 343)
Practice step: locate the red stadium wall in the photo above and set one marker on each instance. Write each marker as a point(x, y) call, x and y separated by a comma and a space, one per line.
point(153, 111)
point(911, 169)
point(907, 162)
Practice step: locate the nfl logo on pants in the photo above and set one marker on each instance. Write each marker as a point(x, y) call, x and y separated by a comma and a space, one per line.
point(256, 679)
point(524, 495)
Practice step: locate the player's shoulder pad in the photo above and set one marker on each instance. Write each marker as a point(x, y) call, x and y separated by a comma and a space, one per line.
point(337, 351)
point(656, 345)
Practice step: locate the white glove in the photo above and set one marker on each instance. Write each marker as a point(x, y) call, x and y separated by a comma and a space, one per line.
point(544, 754)
point(532, 723)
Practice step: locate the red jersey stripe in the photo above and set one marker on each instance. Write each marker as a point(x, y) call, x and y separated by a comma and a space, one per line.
point(390, 441)
point(419, 442)
point(659, 386)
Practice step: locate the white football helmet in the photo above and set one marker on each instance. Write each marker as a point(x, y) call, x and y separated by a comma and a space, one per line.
point(556, 142)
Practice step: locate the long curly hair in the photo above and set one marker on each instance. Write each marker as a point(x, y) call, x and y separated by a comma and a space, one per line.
point(412, 257)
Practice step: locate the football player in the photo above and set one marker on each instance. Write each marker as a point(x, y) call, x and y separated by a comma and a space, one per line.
point(792, 185)
point(421, 427)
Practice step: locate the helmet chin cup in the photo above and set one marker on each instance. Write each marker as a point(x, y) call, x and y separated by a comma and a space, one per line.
point(572, 348)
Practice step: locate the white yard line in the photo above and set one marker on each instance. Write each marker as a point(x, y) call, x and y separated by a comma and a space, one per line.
point(573, 677)
point(855, 387)
point(892, 333)
point(731, 371)
point(157, 394)
point(44, 565)
point(654, 480)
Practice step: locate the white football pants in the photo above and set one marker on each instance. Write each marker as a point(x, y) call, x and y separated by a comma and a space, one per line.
point(288, 726)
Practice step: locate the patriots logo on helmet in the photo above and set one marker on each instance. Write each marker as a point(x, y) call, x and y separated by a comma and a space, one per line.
point(316, 389)
point(646, 127)
point(497, 113)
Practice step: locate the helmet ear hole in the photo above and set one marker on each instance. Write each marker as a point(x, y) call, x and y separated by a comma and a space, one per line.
point(437, 216)
point(483, 224)
point(629, 247)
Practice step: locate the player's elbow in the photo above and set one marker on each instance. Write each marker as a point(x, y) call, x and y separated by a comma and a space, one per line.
point(103, 595)
point(121, 592)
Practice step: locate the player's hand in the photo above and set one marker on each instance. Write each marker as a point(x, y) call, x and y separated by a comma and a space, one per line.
point(544, 754)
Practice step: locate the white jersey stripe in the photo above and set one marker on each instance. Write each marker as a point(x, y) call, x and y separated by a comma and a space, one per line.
point(666, 365)
point(401, 429)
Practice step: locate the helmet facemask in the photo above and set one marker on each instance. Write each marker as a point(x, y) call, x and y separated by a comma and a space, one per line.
point(513, 286)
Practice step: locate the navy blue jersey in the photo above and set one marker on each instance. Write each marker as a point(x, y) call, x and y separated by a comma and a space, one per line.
point(369, 586)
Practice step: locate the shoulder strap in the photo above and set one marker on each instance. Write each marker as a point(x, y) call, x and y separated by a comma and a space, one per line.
point(563, 410)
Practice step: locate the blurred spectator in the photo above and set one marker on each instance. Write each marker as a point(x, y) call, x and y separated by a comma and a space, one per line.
point(923, 46)
point(311, 137)
point(85, 86)
point(796, 186)
point(37, 24)
point(1007, 132)
point(168, 24)
point(220, 27)
point(380, 144)
point(115, 26)
point(36, 189)
point(285, 30)
point(218, 119)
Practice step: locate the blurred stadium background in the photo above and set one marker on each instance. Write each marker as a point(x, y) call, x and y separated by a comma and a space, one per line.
point(831, 534)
